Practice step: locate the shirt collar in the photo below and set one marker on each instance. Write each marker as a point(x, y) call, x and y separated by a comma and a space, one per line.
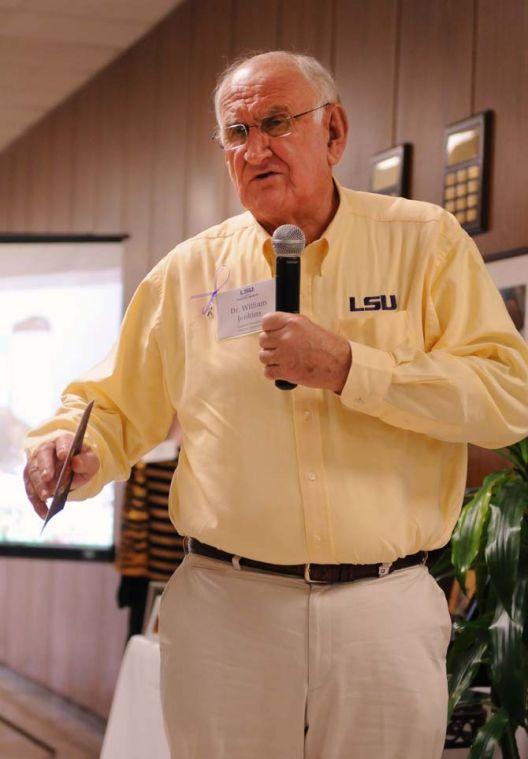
point(315, 253)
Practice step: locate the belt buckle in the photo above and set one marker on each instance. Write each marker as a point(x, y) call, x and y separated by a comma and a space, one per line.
point(384, 569)
point(308, 579)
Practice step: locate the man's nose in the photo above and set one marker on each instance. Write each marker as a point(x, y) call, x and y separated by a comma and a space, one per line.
point(257, 146)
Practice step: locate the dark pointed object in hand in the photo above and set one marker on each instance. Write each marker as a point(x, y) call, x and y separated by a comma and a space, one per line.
point(65, 480)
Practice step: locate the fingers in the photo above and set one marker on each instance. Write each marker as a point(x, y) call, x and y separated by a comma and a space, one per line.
point(268, 357)
point(43, 468)
point(38, 504)
point(43, 462)
point(267, 340)
point(270, 340)
point(273, 372)
point(63, 445)
point(271, 334)
point(294, 348)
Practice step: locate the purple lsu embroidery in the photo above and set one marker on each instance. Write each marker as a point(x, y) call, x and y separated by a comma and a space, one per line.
point(374, 303)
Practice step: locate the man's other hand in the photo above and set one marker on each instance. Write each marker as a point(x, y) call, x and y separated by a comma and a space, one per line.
point(293, 348)
point(44, 466)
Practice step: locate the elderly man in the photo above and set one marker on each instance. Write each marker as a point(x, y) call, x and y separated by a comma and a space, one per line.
point(303, 621)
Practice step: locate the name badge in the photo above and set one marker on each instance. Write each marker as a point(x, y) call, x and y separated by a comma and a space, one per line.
point(240, 311)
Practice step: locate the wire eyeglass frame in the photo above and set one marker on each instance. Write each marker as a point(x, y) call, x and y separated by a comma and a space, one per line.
point(265, 126)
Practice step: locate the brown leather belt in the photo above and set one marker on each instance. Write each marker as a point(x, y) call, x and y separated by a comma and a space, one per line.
point(312, 573)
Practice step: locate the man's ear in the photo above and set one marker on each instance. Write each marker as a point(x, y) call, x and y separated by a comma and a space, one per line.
point(337, 133)
point(229, 168)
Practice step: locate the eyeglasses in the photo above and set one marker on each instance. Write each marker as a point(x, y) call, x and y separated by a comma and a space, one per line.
point(278, 125)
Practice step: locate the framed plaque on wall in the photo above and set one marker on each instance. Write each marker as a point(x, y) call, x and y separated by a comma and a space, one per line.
point(390, 171)
point(467, 147)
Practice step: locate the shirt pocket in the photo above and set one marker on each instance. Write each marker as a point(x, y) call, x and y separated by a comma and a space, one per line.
point(386, 330)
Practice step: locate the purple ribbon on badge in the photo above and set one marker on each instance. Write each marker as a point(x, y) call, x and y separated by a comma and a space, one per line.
point(207, 310)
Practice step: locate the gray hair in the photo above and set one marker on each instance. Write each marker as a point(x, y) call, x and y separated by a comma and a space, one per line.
point(314, 72)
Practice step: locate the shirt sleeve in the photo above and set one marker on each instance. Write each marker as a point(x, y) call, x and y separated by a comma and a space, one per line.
point(132, 411)
point(470, 383)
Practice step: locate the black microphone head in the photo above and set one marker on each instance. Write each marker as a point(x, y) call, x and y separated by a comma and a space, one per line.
point(288, 240)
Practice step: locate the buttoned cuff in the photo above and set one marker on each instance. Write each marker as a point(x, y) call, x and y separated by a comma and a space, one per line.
point(368, 379)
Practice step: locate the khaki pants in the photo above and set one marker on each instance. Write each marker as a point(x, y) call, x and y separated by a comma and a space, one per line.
point(262, 666)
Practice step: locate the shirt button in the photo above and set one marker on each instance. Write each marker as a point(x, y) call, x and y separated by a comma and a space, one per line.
point(307, 416)
point(317, 538)
point(358, 400)
point(312, 476)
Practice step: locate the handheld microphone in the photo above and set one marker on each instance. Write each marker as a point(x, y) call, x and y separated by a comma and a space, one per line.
point(288, 243)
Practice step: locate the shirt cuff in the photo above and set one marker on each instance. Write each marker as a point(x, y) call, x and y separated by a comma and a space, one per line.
point(368, 380)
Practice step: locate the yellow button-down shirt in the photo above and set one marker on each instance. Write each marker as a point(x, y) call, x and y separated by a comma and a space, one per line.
point(307, 475)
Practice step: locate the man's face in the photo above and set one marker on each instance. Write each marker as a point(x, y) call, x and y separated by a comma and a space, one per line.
point(277, 178)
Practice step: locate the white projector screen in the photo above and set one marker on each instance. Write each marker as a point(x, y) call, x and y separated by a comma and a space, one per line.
point(60, 312)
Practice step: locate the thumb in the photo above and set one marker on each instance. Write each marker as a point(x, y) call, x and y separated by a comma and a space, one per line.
point(84, 466)
point(275, 320)
point(85, 463)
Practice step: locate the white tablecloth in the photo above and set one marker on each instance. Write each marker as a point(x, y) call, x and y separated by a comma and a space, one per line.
point(135, 726)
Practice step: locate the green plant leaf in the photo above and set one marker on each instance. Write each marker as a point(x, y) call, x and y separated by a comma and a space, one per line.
point(523, 448)
point(474, 698)
point(468, 532)
point(517, 454)
point(465, 657)
point(508, 743)
point(515, 458)
point(522, 604)
point(442, 567)
point(488, 736)
point(507, 657)
point(482, 577)
point(504, 538)
point(473, 629)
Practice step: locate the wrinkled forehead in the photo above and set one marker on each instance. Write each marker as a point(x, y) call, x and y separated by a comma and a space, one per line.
point(256, 91)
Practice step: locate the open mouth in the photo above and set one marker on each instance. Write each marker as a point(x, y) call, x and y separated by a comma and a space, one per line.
point(266, 174)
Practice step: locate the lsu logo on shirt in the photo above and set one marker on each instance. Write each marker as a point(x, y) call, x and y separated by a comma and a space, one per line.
point(374, 303)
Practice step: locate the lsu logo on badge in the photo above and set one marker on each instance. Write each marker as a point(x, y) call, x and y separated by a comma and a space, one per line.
point(374, 303)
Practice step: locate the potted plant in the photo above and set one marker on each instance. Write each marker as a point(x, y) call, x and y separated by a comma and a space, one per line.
point(491, 537)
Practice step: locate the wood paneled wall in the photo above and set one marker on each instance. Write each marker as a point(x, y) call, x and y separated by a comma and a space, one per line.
point(130, 152)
